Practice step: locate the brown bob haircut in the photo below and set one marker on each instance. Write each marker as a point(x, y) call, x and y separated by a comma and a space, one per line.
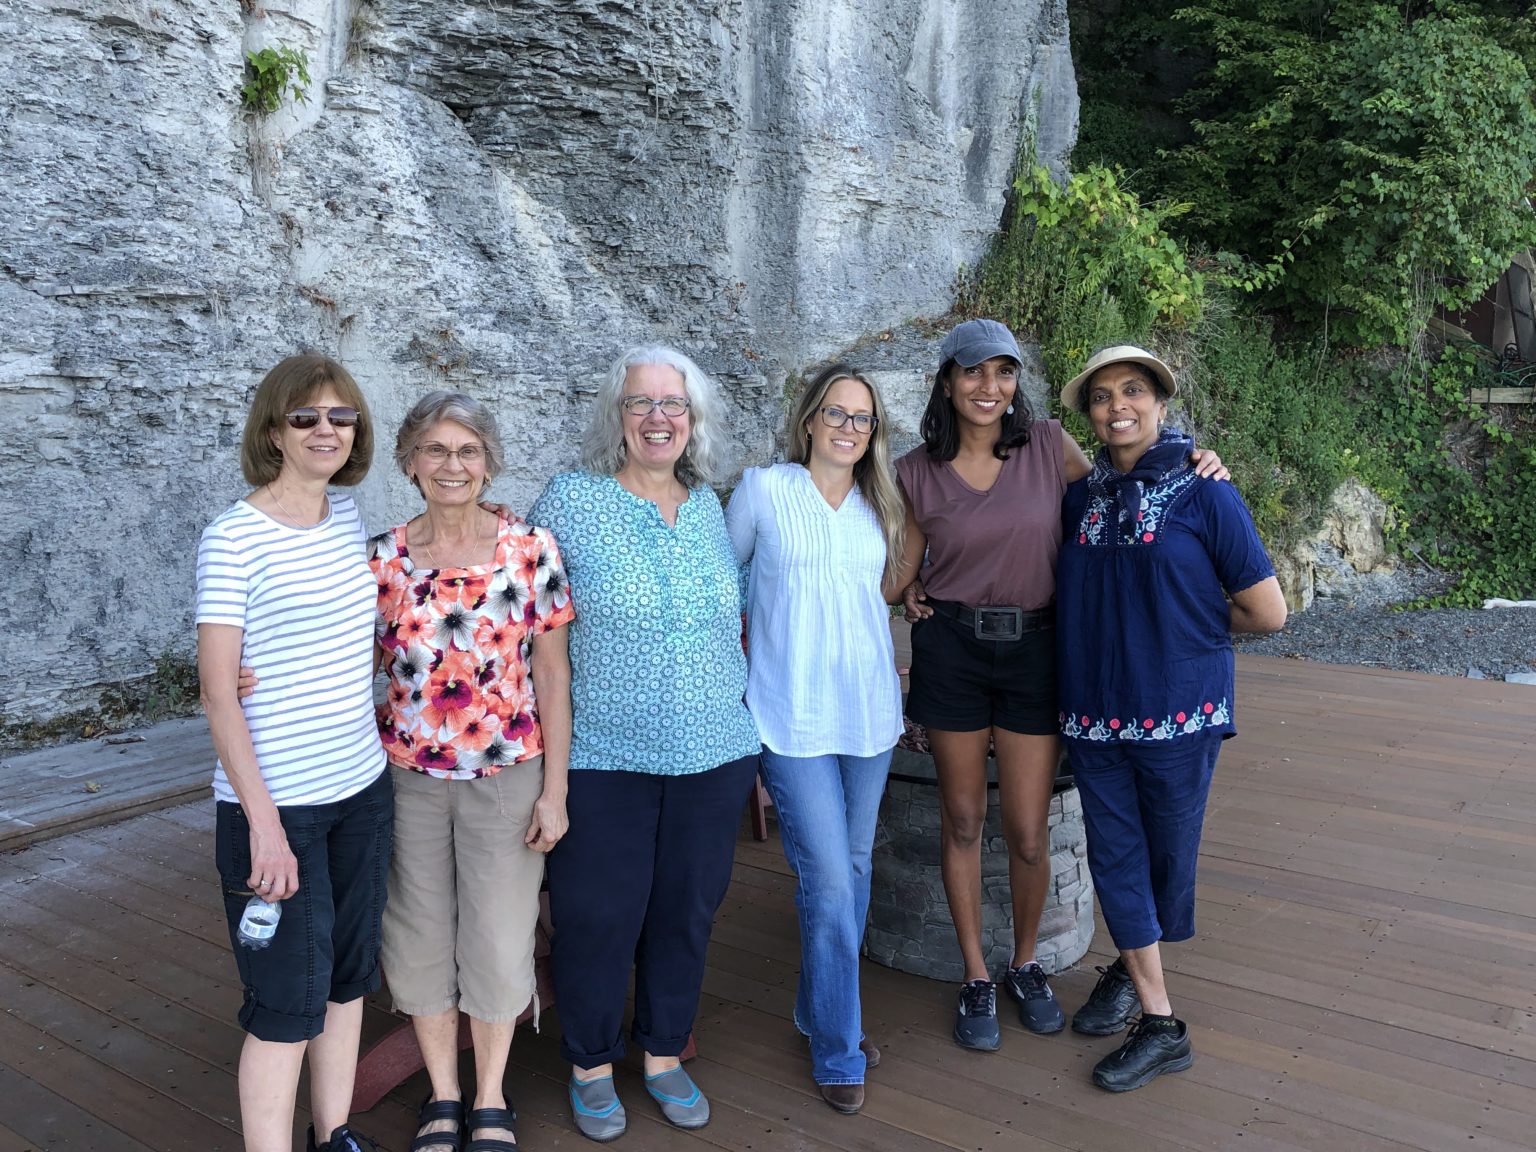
point(293, 384)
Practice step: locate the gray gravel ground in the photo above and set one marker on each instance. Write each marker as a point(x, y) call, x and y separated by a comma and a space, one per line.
point(1491, 642)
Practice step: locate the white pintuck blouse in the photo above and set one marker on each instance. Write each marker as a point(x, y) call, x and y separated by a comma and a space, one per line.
point(821, 667)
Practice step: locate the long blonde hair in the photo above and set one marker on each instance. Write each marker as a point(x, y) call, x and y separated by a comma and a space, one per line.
point(873, 472)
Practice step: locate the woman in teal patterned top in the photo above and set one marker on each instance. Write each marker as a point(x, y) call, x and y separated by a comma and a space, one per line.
point(663, 750)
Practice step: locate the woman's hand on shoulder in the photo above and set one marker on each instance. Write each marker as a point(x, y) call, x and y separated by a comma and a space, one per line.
point(549, 823)
point(501, 511)
point(247, 682)
point(1206, 463)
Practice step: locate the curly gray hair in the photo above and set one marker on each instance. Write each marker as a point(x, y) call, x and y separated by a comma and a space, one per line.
point(704, 460)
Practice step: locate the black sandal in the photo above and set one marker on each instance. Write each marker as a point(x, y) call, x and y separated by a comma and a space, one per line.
point(491, 1118)
point(431, 1112)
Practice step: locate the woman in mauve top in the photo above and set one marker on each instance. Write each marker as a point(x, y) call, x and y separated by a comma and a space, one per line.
point(983, 502)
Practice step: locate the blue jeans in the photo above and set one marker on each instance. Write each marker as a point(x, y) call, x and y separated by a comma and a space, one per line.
point(827, 808)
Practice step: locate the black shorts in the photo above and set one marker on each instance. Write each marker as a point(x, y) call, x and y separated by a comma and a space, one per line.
point(327, 942)
point(961, 684)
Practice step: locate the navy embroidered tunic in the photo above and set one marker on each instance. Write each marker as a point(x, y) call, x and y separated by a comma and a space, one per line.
point(1143, 647)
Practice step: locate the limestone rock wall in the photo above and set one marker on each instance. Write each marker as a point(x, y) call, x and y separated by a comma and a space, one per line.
point(489, 196)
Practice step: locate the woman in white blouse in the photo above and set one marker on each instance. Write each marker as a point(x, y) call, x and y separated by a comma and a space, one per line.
point(822, 532)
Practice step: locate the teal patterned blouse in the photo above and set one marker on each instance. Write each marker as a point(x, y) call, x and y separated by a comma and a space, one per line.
point(657, 670)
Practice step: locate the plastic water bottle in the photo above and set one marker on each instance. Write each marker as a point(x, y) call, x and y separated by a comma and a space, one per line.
point(258, 924)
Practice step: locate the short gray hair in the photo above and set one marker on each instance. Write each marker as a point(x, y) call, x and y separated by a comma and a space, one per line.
point(704, 460)
point(440, 405)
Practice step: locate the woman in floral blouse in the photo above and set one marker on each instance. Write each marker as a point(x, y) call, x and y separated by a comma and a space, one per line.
point(664, 751)
point(472, 611)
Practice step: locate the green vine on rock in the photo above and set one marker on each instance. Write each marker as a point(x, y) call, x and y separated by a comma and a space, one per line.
point(271, 73)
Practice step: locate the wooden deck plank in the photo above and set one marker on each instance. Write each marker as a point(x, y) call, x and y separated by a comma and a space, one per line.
point(138, 1112)
point(50, 1120)
point(55, 790)
point(13, 1141)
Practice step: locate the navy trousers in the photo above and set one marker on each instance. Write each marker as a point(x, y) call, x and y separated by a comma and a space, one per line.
point(1143, 808)
point(636, 883)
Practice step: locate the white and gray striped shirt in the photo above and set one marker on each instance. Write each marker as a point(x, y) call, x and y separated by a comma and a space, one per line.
point(821, 668)
point(306, 601)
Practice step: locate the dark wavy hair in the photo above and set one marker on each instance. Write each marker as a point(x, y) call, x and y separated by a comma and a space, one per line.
point(939, 428)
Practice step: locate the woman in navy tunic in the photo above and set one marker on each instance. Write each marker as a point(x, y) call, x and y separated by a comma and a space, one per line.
point(1158, 567)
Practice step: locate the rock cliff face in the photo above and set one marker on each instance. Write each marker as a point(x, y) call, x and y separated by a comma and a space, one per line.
point(481, 195)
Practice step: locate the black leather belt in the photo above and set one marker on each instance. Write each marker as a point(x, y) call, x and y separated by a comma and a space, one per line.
point(997, 622)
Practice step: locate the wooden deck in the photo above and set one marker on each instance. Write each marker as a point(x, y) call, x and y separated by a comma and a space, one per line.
point(1363, 977)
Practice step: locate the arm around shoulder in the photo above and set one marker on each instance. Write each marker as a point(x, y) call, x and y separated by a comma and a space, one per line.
point(911, 556)
point(1074, 461)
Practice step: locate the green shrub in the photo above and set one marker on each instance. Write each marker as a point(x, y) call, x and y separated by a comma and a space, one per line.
point(1373, 156)
point(1082, 265)
point(272, 72)
point(1465, 479)
point(1279, 413)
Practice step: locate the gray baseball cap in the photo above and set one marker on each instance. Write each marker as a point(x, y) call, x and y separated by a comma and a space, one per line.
point(970, 343)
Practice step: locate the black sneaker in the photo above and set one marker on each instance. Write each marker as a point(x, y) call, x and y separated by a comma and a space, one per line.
point(1038, 1010)
point(976, 1016)
point(1110, 1005)
point(1154, 1046)
point(342, 1139)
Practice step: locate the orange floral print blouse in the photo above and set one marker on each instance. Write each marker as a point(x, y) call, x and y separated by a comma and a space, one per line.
point(456, 641)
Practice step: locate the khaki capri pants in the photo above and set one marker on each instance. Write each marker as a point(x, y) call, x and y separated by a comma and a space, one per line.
point(464, 894)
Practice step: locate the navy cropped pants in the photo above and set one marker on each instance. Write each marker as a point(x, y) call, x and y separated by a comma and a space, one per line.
point(636, 883)
point(1143, 806)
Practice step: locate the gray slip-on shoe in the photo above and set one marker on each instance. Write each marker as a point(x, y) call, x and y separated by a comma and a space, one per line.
point(596, 1109)
point(681, 1102)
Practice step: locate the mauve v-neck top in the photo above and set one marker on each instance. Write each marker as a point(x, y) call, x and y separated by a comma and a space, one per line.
point(992, 547)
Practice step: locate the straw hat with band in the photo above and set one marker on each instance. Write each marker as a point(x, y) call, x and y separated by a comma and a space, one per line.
point(1071, 395)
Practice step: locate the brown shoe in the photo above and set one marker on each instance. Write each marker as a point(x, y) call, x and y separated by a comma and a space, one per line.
point(871, 1053)
point(844, 1098)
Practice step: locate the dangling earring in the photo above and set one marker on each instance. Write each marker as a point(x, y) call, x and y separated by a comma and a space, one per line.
point(1008, 411)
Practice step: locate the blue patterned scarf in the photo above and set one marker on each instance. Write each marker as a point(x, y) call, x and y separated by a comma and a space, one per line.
point(1165, 459)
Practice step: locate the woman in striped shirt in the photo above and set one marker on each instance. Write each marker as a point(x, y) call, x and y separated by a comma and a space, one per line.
point(305, 808)
point(821, 533)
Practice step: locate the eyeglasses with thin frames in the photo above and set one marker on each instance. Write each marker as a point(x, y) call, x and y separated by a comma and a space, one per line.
point(644, 405)
point(862, 422)
point(308, 417)
point(467, 453)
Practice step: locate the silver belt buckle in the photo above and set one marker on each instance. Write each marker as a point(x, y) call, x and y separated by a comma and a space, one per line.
point(999, 623)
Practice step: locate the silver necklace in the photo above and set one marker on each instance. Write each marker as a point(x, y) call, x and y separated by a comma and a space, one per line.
point(325, 502)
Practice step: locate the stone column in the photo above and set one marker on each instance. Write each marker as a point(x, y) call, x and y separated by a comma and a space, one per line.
point(910, 928)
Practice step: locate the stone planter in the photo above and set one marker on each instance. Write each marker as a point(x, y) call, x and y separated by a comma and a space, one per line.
point(909, 923)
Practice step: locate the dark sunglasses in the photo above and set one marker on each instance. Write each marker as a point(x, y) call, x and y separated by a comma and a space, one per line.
point(339, 417)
